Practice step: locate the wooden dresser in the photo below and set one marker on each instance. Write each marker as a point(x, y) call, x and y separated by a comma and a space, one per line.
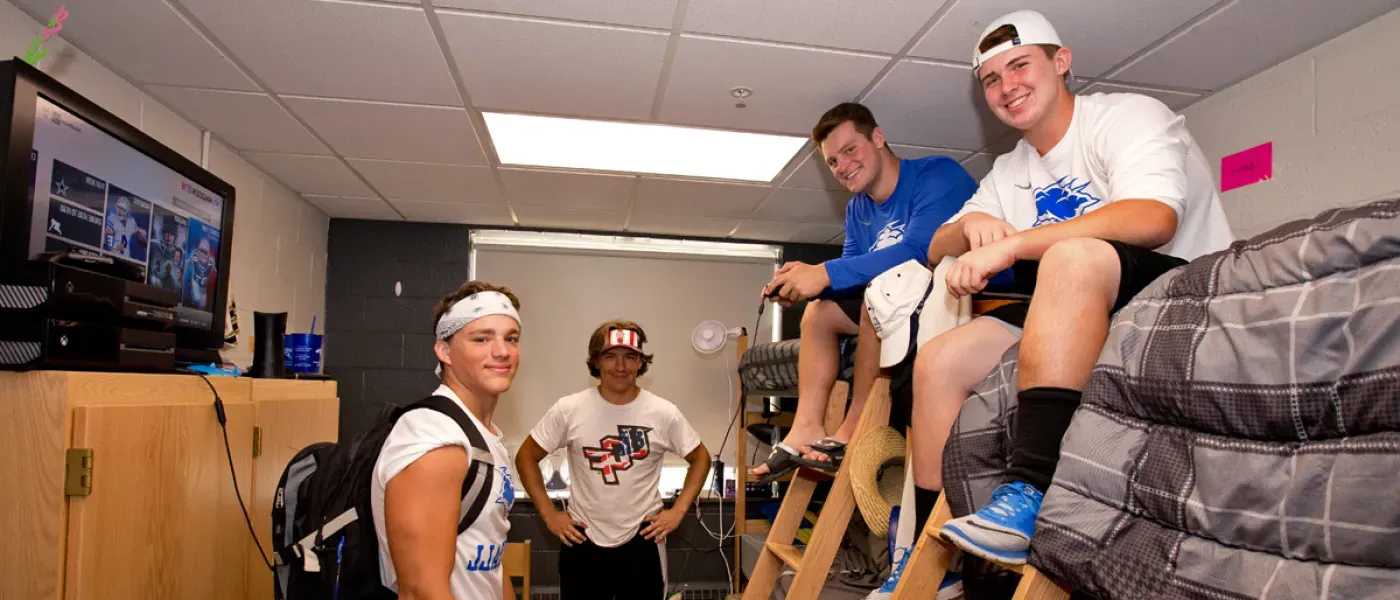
point(157, 517)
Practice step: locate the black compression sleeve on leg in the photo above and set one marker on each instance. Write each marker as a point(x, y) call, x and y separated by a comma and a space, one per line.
point(1042, 417)
point(923, 508)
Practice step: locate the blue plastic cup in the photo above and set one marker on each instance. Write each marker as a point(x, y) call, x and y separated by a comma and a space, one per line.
point(304, 352)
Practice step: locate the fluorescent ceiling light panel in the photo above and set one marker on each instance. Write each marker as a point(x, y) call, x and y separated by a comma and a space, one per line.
point(584, 242)
point(537, 141)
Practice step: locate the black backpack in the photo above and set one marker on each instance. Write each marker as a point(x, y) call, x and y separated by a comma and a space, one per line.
point(323, 537)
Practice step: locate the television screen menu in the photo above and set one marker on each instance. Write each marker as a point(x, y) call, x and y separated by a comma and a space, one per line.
point(109, 199)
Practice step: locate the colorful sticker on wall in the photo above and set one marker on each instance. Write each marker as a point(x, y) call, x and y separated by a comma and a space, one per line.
point(1247, 167)
point(55, 25)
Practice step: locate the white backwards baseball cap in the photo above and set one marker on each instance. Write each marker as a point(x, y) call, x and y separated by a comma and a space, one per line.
point(1030, 27)
point(891, 300)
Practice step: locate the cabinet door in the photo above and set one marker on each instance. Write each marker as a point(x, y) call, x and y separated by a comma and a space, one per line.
point(162, 521)
point(287, 427)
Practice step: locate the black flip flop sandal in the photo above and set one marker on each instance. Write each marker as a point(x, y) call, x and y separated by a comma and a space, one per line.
point(834, 449)
point(781, 461)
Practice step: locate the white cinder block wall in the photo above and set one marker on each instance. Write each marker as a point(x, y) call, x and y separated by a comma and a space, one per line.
point(279, 242)
point(1333, 117)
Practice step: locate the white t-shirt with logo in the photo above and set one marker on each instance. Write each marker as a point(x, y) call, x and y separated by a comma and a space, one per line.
point(1118, 147)
point(476, 573)
point(615, 455)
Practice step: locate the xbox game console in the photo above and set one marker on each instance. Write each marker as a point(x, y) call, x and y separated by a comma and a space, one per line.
point(70, 312)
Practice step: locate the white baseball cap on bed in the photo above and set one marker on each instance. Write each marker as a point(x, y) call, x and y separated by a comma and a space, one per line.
point(1030, 27)
point(891, 300)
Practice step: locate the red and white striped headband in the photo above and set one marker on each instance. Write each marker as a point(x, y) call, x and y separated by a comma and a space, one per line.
point(623, 338)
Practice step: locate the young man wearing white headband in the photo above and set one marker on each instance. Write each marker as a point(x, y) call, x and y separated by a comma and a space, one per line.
point(417, 487)
point(615, 436)
point(1103, 194)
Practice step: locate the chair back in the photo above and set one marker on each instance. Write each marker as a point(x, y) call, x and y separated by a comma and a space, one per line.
point(516, 563)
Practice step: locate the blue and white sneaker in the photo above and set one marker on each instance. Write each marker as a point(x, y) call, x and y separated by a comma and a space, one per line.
point(1002, 530)
point(950, 589)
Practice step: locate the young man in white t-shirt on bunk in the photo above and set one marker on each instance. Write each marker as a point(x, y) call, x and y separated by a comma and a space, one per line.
point(1103, 194)
point(615, 436)
point(417, 487)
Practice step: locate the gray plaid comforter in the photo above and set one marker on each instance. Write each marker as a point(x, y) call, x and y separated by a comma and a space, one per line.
point(1240, 436)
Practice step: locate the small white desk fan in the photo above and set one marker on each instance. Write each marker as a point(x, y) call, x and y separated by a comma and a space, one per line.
point(710, 336)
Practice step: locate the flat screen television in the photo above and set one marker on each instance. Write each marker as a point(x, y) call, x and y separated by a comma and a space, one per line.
point(74, 177)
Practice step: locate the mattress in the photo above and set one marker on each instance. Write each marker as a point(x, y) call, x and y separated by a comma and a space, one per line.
point(1240, 435)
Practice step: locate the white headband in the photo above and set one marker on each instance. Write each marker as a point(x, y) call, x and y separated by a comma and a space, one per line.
point(471, 308)
point(474, 307)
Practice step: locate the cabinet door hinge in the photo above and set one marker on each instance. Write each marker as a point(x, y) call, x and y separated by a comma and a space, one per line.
point(257, 442)
point(77, 472)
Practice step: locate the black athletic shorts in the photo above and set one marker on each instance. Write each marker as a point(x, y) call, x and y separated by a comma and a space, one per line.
point(1140, 267)
point(851, 301)
point(588, 571)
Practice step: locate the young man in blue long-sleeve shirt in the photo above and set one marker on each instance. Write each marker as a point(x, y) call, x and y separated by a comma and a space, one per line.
point(897, 207)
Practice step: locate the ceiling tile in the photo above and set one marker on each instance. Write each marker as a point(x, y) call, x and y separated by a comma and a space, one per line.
point(568, 218)
point(392, 131)
point(318, 175)
point(711, 227)
point(1101, 34)
point(568, 190)
point(933, 105)
point(455, 212)
point(805, 206)
point(526, 65)
point(1174, 100)
point(876, 26)
point(426, 182)
point(334, 49)
point(1247, 37)
point(641, 13)
point(812, 174)
point(247, 121)
point(791, 86)
point(979, 165)
point(786, 232)
point(109, 30)
point(337, 207)
point(697, 198)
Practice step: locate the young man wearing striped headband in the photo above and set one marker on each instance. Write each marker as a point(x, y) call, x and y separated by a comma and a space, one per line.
point(615, 436)
point(417, 487)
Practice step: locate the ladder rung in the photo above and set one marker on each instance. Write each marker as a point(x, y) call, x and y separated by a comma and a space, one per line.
point(787, 553)
point(750, 477)
point(817, 475)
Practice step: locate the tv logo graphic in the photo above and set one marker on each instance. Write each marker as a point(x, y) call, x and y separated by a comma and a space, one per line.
point(617, 452)
point(1063, 200)
point(197, 193)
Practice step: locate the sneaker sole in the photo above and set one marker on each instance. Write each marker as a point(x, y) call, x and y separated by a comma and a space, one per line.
point(956, 537)
point(951, 592)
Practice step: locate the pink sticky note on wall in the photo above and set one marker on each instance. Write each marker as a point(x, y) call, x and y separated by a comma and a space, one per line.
point(1247, 167)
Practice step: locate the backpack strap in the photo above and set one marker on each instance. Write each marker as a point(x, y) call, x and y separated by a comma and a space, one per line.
point(476, 488)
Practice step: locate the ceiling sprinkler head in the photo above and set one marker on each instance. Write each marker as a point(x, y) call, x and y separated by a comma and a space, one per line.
point(741, 93)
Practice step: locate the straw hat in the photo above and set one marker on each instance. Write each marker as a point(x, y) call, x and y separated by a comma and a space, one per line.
point(877, 476)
